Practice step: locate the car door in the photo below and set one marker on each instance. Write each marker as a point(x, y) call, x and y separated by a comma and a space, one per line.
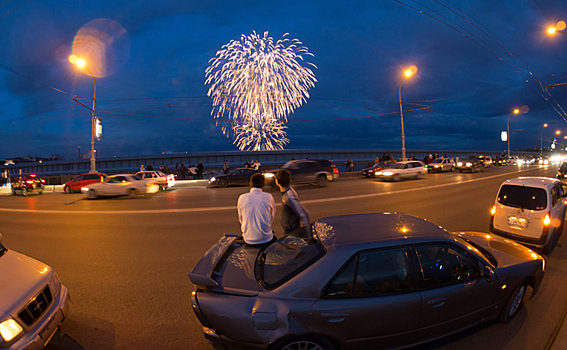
point(454, 294)
point(558, 205)
point(76, 183)
point(370, 301)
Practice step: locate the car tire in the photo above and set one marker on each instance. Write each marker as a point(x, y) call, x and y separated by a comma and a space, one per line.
point(24, 191)
point(92, 194)
point(13, 191)
point(307, 342)
point(322, 180)
point(223, 183)
point(513, 304)
point(482, 169)
point(132, 193)
point(67, 189)
point(40, 192)
point(161, 187)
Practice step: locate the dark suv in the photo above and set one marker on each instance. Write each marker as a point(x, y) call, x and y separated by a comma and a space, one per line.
point(28, 184)
point(309, 171)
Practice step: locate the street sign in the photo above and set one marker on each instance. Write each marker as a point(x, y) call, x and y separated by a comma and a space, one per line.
point(98, 129)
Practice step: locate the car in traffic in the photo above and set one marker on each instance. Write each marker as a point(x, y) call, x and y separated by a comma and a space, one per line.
point(403, 170)
point(307, 171)
point(486, 161)
point(472, 164)
point(121, 185)
point(237, 177)
point(499, 160)
point(371, 170)
point(82, 180)
point(367, 281)
point(562, 172)
point(164, 180)
point(441, 164)
point(529, 210)
point(33, 302)
point(28, 183)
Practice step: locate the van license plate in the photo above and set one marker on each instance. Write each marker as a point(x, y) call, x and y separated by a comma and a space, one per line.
point(514, 221)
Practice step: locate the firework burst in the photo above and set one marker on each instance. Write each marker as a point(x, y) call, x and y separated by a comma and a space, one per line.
point(256, 83)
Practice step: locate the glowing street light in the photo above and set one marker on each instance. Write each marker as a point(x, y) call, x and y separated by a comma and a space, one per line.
point(541, 139)
point(81, 63)
point(407, 73)
point(516, 111)
point(558, 28)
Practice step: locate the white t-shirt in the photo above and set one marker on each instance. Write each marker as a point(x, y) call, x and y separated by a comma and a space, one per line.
point(256, 211)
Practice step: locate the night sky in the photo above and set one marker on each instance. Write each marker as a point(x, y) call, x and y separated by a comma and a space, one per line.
point(476, 61)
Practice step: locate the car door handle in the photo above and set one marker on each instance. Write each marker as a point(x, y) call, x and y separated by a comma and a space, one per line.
point(437, 302)
point(334, 317)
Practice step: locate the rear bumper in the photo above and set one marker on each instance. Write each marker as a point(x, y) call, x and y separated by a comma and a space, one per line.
point(538, 242)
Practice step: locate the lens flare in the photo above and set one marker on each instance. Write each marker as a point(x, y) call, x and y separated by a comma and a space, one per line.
point(103, 45)
point(256, 83)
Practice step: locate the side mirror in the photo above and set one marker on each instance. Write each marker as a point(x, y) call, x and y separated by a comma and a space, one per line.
point(488, 273)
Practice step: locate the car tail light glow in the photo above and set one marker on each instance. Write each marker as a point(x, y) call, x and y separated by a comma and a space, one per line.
point(29, 182)
point(492, 213)
point(42, 181)
point(547, 220)
point(335, 171)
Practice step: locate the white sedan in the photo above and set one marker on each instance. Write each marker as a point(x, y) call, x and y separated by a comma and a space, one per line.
point(401, 170)
point(164, 180)
point(121, 185)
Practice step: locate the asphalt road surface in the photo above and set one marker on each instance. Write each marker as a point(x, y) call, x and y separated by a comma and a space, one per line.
point(125, 260)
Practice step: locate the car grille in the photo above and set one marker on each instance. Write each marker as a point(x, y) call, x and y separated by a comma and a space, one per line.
point(36, 307)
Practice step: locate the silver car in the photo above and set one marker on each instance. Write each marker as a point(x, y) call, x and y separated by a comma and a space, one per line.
point(369, 281)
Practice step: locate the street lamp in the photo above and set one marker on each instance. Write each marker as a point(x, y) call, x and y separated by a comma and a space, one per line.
point(81, 63)
point(516, 111)
point(407, 73)
point(541, 139)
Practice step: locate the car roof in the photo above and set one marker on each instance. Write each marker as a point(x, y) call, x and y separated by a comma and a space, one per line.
point(383, 228)
point(532, 181)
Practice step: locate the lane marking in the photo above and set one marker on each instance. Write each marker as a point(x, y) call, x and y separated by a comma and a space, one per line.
point(233, 207)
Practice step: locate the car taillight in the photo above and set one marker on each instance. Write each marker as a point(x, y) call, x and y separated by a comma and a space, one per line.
point(152, 184)
point(42, 181)
point(492, 212)
point(335, 171)
point(29, 182)
point(547, 220)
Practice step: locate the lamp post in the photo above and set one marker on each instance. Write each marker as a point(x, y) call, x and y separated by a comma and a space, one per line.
point(407, 73)
point(553, 30)
point(541, 139)
point(81, 63)
point(516, 111)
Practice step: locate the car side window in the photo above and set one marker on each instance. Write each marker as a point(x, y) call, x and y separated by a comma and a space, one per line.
point(444, 264)
point(79, 178)
point(373, 273)
point(553, 196)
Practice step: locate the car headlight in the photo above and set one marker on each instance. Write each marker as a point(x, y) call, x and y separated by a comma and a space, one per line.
point(10, 329)
point(378, 173)
point(212, 179)
point(269, 175)
point(55, 284)
point(459, 164)
point(469, 164)
point(84, 189)
point(387, 173)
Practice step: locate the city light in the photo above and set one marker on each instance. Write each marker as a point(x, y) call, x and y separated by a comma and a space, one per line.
point(256, 83)
point(407, 73)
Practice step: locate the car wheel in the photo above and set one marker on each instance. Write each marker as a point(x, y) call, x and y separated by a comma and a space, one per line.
point(13, 191)
point(67, 189)
point(396, 178)
point(133, 193)
point(452, 168)
point(482, 169)
point(223, 183)
point(40, 192)
point(160, 187)
point(92, 194)
point(322, 181)
point(513, 304)
point(308, 342)
point(24, 191)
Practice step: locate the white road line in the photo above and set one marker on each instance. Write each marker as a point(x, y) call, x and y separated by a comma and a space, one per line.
point(196, 210)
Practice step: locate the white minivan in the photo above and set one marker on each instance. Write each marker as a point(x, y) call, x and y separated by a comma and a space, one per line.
point(530, 210)
point(33, 302)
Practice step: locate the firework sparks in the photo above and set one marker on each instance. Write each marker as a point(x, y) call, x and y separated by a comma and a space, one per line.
point(256, 84)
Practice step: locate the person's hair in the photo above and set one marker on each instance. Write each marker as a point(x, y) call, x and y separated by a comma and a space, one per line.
point(284, 177)
point(257, 180)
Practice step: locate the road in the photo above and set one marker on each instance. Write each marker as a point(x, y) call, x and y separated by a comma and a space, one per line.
point(125, 260)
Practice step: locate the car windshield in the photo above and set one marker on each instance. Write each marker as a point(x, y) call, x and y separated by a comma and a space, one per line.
point(136, 177)
point(285, 259)
point(563, 167)
point(485, 253)
point(437, 161)
point(397, 165)
point(524, 197)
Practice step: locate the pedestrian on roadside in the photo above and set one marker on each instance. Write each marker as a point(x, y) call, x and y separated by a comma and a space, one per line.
point(247, 164)
point(200, 169)
point(351, 165)
point(177, 169)
point(150, 167)
point(257, 165)
point(182, 171)
point(193, 172)
point(294, 215)
point(142, 167)
point(256, 212)
point(4, 177)
point(225, 167)
point(166, 169)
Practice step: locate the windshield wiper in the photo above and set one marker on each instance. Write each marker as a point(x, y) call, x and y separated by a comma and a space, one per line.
point(515, 206)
